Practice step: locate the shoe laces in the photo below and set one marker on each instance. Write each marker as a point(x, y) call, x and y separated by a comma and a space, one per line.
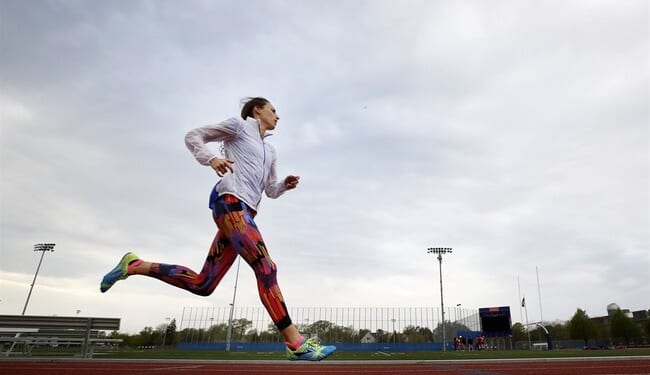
point(312, 344)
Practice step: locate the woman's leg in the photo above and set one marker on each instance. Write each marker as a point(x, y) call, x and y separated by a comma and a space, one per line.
point(235, 221)
point(238, 234)
point(220, 257)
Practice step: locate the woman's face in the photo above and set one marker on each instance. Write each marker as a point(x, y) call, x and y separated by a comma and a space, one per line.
point(267, 116)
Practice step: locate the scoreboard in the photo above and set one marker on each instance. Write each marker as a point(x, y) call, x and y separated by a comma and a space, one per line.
point(495, 321)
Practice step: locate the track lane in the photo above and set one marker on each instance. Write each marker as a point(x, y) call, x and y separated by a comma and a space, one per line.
point(582, 366)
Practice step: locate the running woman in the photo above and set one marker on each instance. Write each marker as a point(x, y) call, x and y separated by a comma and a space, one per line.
point(246, 170)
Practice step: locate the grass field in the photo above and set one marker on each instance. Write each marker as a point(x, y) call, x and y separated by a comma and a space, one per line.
point(506, 354)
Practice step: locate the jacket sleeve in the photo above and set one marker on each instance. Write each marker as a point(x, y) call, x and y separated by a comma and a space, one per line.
point(196, 139)
point(274, 188)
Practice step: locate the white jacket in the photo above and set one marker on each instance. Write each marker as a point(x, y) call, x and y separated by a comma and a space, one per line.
point(254, 159)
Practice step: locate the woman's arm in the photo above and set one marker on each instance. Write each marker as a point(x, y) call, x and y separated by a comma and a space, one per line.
point(196, 139)
point(274, 188)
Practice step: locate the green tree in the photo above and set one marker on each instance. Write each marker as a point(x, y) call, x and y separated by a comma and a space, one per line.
point(217, 332)
point(417, 334)
point(272, 334)
point(338, 333)
point(240, 327)
point(169, 336)
point(145, 337)
point(252, 335)
point(158, 334)
point(560, 331)
point(451, 330)
point(380, 335)
point(321, 328)
point(623, 329)
point(193, 335)
point(519, 333)
point(581, 327)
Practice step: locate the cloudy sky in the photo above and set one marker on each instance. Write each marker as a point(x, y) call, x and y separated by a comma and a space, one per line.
point(514, 132)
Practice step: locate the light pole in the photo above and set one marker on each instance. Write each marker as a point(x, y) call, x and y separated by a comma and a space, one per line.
point(167, 319)
point(440, 251)
point(232, 309)
point(211, 328)
point(43, 247)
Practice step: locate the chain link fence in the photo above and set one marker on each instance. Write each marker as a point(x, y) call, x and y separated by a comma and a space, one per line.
point(205, 325)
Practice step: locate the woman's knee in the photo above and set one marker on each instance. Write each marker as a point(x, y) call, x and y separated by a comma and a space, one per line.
point(203, 290)
point(267, 275)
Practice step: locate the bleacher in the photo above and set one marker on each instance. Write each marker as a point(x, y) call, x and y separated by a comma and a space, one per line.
point(20, 334)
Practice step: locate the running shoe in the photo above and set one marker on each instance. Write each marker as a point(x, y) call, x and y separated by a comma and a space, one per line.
point(120, 272)
point(310, 351)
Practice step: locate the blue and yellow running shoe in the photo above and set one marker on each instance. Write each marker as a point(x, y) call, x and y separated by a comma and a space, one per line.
point(120, 272)
point(310, 351)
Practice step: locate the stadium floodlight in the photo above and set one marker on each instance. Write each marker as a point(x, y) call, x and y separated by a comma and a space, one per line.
point(440, 251)
point(42, 247)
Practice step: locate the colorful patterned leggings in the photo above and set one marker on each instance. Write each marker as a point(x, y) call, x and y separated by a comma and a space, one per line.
point(237, 235)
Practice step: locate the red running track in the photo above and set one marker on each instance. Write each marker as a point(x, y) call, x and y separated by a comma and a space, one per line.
point(582, 366)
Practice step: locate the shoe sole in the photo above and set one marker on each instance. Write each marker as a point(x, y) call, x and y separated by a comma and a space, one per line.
point(116, 278)
point(312, 359)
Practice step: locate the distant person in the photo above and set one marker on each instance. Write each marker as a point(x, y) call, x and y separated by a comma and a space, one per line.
point(247, 169)
point(480, 341)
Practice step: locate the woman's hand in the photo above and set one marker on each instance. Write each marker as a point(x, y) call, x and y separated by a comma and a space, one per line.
point(221, 166)
point(290, 182)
